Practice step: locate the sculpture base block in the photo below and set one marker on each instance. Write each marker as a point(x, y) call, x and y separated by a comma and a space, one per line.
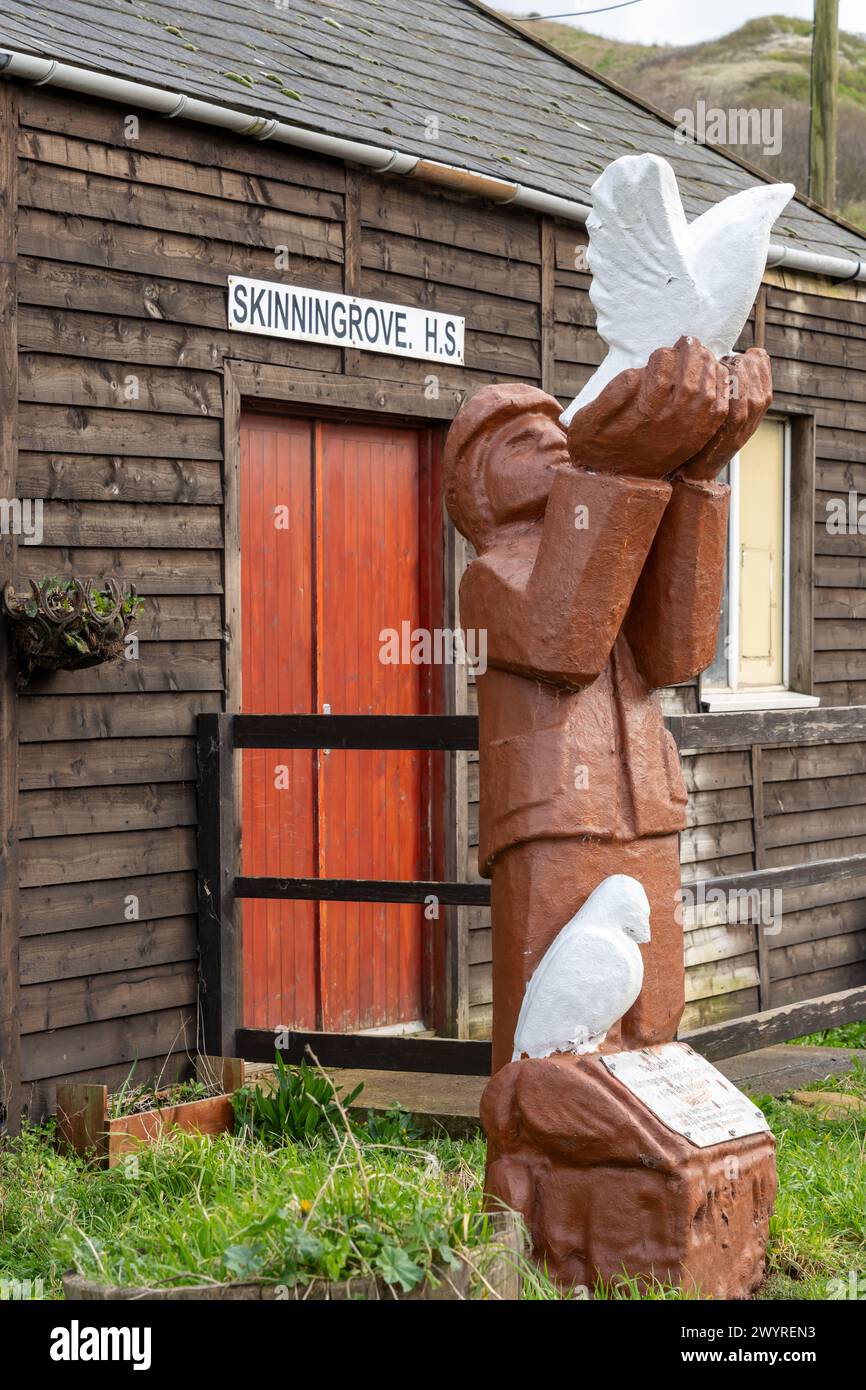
point(606, 1189)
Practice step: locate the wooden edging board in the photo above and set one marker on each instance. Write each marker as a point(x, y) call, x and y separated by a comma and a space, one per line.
point(84, 1126)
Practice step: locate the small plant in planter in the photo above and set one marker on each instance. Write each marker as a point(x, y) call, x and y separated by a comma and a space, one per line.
point(138, 1100)
point(68, 624)
point(303, 1105)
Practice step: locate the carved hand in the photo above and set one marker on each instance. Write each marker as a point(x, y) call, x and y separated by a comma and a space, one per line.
point(750, 391)
point(649, 421)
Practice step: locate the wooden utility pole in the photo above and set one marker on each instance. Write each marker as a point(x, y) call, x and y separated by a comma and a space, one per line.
point(825, 98)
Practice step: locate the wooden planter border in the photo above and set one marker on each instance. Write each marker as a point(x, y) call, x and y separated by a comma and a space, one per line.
point(84, 1126)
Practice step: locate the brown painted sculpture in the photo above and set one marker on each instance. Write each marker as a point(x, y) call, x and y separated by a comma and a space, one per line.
point(607, 1190)
point(598, 578)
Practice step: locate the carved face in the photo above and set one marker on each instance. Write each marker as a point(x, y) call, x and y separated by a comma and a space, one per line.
point(520, 457)
point(501, 451)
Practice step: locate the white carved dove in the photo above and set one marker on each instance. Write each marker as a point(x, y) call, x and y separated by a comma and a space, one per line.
point(590, 975)
point(657, 277)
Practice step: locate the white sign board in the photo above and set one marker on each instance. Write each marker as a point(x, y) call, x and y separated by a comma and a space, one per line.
point(685, 1092)
point(342, 320)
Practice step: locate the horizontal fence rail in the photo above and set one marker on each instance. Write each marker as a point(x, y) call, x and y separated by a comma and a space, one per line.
point(751, 1031)
point(400, 732)
point(783, 876)
point(365, 890)
point(370, 1051)
point(704, 733)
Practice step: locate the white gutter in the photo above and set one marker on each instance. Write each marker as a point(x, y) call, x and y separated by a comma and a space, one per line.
point(48, 72)
point(832, 267)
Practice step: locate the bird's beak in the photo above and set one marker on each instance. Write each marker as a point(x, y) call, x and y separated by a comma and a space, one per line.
point(641, 931)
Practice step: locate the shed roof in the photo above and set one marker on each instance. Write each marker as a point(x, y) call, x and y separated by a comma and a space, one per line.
point(440, 79)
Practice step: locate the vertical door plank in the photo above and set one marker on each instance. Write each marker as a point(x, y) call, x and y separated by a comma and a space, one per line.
point(280, 955)
point(372, 811)
point(760, 863)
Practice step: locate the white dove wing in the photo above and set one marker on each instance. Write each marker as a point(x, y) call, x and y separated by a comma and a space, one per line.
point(727, 246)
point(638, 249)
point(656, 277)
point(643, 288)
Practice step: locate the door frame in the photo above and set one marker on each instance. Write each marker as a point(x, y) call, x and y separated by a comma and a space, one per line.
point(251, 386)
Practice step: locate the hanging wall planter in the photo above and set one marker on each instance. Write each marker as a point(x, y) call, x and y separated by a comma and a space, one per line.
point(67, 624)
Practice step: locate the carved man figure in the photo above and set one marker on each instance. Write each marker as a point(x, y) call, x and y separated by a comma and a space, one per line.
point(598, 578)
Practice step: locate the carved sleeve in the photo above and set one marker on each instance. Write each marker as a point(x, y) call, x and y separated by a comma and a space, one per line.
point(673, 621)
point(553, 600)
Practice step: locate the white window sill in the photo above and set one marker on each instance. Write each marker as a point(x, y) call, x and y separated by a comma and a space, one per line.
point(731, 701)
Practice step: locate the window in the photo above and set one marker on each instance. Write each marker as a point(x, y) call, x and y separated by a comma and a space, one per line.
point(751, 668)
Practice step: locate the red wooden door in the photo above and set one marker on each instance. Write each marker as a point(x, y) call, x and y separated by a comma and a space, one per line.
point(332, 537)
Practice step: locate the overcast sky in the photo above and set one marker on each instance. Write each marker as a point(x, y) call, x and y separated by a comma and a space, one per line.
point(679, 21)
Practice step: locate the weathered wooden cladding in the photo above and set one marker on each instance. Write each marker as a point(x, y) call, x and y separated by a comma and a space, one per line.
point(98, 478)
point(50, 188)
point(10, 1068)
point(765, 946)
point(152, 571)
point(121, 405)
point(71, 907)
point(125, 414)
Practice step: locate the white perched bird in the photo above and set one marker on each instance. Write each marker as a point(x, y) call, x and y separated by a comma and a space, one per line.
point(590, 975)
point(657, 277)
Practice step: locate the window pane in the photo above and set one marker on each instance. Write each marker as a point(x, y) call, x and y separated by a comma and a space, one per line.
point(761, 556)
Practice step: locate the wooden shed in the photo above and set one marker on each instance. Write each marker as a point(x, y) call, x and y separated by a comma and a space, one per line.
point(192, 200)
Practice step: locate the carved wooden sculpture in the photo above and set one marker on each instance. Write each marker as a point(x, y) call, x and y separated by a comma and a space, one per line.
point(599, 576)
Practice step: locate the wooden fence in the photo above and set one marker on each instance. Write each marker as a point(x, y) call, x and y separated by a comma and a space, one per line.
point(221, 886)
point(774, 859)
point(735, 905)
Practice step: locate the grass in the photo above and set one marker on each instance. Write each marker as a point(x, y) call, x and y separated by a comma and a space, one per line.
point(376, 1199)
point(197, 1209)
point(818, 1230)
point(846, 1035)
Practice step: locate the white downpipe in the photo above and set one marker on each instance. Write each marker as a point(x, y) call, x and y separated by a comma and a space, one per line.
point(48, 72)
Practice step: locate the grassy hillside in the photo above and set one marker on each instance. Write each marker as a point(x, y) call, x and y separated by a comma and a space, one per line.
point(763, 64)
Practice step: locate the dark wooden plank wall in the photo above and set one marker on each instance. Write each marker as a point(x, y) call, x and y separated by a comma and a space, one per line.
point(10, 1070)
point(124, 248)
point(812, 809)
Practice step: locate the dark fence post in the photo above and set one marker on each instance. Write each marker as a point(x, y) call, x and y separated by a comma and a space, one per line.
point(219, 929)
